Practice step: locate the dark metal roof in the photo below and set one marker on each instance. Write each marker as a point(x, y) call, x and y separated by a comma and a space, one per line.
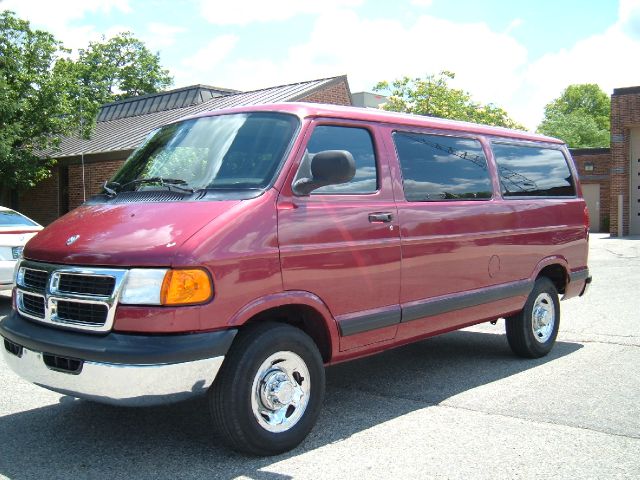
point(626, 91)
point(156, 102)
point(125, 133)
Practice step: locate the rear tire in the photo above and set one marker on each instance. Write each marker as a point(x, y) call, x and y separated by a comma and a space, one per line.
point(532, 332)
point(268, 394)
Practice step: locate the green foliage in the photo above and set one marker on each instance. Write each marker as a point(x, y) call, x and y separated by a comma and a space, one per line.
point(120, 67)
point(33, 104)
point(433, 96)
point(577, 129)
point(45, 95)
point(580, 116)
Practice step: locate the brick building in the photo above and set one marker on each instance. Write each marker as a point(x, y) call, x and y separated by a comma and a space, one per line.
point(83, 165)
point(625, 160)
point(610, 174)
point(594, 166)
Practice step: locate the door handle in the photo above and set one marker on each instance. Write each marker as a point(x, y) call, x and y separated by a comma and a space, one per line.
point(380, 217)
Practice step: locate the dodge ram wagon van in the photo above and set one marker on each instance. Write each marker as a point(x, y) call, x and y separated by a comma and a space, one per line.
point(238, 252)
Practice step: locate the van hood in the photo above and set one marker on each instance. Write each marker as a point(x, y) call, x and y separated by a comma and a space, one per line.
point(138, 234)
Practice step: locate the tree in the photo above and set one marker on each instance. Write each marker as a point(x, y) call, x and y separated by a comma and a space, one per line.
point(33, 101)
point(120, 67)
point(46, 95)
point(433, 96)
point(580, 116)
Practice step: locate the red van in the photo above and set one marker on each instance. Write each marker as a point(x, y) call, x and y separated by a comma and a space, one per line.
point(238, 252)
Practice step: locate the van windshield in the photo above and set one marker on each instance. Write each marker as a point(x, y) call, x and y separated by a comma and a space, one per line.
point(237, 151)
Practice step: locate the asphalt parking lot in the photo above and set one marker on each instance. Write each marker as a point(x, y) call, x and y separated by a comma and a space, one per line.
point(455, 406)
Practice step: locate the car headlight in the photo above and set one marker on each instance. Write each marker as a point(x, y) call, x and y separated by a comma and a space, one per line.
point(142, 286)
point(159, 286)
point(18, 273)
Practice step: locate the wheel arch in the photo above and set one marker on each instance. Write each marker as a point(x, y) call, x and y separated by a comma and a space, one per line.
point(300, 309)
point(555, 269)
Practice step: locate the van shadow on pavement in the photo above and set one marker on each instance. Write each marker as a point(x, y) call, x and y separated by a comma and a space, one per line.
point(80, 439)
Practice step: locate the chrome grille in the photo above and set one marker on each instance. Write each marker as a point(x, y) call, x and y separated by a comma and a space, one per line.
point(72, 297)
point(36, 279)
point(88, 313)
point(32, 304)
point(88, 284)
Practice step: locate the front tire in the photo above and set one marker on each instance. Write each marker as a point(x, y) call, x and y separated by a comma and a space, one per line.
point(532, 332)
point(268, 394)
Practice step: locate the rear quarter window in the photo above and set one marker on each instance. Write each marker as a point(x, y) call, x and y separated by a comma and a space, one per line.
point(532, 171)
point(440, 168)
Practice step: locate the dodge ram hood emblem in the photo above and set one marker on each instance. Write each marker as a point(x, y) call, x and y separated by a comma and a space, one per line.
point(72, 239)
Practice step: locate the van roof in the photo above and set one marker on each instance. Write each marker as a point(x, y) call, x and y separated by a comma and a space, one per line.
point(312, 110)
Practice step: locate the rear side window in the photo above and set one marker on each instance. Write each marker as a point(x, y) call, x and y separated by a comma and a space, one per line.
point(437, 167)
point(356, 141)
point(529, 171)
point(10, 218)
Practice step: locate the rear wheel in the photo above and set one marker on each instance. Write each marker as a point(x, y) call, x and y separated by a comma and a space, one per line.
point(269, 392)
point(532, 332)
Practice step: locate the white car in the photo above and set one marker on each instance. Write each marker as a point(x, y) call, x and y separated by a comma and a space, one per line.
point(15, 231)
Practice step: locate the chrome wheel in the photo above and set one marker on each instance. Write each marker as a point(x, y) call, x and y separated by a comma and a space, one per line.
point(280, 391)
point(543, 317)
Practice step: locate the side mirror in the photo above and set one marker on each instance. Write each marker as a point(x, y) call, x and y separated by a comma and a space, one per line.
point(330, 167)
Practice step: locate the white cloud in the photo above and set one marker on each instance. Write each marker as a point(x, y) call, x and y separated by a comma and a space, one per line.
point(243, 12)
point(493, 66)
point(515, 23)
point(629, 13)
point(58, 17)
point(344, 42)
point(161, 35)
point(603, 59)
point(208, 58)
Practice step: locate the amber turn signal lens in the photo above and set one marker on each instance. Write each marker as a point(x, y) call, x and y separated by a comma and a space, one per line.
point(185, 287)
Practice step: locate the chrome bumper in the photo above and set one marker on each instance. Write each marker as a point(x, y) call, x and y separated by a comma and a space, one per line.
point(118, 384)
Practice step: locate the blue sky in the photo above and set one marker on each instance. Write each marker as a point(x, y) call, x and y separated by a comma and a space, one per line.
point(518, 55)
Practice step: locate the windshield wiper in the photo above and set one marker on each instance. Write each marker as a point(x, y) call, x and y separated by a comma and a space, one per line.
point(112, 188)
point(110, 191)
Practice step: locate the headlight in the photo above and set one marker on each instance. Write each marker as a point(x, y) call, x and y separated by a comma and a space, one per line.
point(147, 286)
point(143, 286)
point(18, 273)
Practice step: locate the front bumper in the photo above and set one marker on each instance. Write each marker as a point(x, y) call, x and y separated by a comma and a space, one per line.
point(119, 369)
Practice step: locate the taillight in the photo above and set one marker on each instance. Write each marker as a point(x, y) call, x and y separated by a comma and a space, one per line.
point(586, 219)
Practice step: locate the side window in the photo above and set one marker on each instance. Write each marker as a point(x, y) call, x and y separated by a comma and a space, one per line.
point(358, 142)
point(528, 171)
point(437, 167)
